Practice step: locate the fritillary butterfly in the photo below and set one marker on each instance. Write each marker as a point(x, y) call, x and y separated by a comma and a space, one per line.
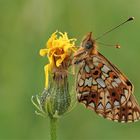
point(102, 87)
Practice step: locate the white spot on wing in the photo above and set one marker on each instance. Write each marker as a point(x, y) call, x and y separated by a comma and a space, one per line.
point(105, 69)
point(87, 69)
point(116, 103)
point(91, 66)
point(100, 106)
point(114, 84)
point(103, 77)
point(129, 120)
point(100, 82)
point(100, 114)
point(136, 120)
point(106, 75)
point(86, 92)
point(95, 59)
point(108, 105)
point(88, 82)
point(94, 82)
point(122, 99)
point(96, 64)
point(117, 80)
point(81, 82)
point(126, 93)
point(85, 102)
point(109, 115)
point(92, 105)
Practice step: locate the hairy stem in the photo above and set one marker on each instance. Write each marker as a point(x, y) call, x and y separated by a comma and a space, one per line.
point(53, 125)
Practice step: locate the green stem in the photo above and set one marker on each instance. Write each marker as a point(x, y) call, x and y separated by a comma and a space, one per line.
point(53, 125)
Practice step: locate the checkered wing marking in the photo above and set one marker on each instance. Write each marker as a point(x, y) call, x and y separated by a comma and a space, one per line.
point(101, 86)
point(130, 112)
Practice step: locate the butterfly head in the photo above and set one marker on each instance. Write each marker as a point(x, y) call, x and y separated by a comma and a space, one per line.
point(87, 47)
point(88, 42)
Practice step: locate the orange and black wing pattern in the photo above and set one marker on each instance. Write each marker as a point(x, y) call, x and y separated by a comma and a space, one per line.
point(104, 89)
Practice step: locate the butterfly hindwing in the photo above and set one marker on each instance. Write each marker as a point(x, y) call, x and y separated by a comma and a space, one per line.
point(130, 112)
point(101, 86)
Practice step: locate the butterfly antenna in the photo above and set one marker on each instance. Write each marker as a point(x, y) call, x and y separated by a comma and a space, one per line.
point(129, 19)
point(110, 45)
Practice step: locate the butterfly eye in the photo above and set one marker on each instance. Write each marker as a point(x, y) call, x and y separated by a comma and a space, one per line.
point(89, 44)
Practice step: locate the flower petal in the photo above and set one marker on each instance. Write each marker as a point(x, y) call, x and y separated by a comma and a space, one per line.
point(43, 52)
point(59, 61)
point(46, 68)
point(58, 48)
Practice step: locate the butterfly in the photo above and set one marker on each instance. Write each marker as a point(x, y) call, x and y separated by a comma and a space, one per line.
point(102, 87)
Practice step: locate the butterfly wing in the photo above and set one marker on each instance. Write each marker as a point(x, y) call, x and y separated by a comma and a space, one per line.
point(130, 112)
point(121, 75)
point(101, 86)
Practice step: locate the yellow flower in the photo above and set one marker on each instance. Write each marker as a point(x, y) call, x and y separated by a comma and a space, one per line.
point(58, 50)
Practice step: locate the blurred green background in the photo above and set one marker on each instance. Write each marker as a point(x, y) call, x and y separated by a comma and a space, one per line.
point(25, 26)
